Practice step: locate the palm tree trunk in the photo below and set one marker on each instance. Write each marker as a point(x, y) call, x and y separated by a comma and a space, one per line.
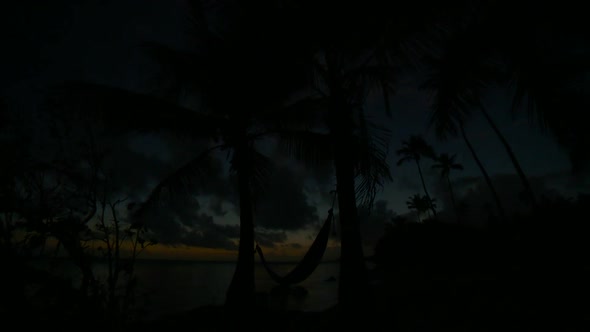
point(485, 174)
point(424, 187)
point(241, 291)
point(353, 287)
point(525, 182)
point(453, 200)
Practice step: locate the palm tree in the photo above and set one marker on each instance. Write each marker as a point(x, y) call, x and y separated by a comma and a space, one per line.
point(365, 48)
point(413, 150)
point(421, 204)
point(357, 149)
point(455, 81)
point(467, 65)
point(232, 113)
point(446, 163)
point(545, 71)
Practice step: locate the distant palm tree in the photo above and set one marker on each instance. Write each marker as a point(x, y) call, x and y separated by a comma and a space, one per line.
point(421, 204)
point(446, 163)
point(412, 151)
point(465, 68)
point(456, 81)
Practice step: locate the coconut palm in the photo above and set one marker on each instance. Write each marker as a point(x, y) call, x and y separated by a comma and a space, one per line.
point(412, 151)
point(365, 48)
point(546, 70)
point(456, 81)
point(358, 149)
point(445, 163)
point(230, 115)
point(466, 66)
point(421, 204)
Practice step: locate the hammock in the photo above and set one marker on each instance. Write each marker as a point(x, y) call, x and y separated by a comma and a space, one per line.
point(309, 262)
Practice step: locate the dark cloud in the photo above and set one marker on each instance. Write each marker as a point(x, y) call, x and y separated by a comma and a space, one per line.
point(216, 206)
point(269, 238)
point(184, 225)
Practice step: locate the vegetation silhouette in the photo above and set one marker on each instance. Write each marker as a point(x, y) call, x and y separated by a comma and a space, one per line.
point(231, 124)
point(310, 90)
point(446, 163)
point(413, 150)
point(462, 277)
point(51, 223)
point(421, 204)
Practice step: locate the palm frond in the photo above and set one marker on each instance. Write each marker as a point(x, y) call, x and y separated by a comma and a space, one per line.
point(180, 183)
point(414, 148)
point(311, 148)
point(456, 78)
point(371, 166)
point(449, 107)
point(374, 76)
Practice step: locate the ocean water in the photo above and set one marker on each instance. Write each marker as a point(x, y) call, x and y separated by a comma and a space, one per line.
point(168, 287)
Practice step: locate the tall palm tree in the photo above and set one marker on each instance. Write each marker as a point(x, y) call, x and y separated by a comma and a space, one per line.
point(468, 64)
point(365, 48)
point(232, 113)
point(445, 163)
point(456, 81)
point(155, 115)
point(413, 150)
point(358, 149)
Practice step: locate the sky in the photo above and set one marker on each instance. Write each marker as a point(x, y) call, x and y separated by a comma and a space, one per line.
point(49, 42)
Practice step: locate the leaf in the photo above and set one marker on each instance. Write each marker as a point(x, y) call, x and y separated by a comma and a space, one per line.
point(177, 183)
point(312, 148)
point(371, 166)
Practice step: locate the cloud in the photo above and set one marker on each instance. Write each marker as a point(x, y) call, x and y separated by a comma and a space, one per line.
point(216, 206)
point(191, 220)
point(269, 238)
point(182, 223)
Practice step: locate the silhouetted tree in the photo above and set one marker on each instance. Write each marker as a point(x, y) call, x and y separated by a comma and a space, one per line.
point(236, 102)
point(364, 48)
point(455, 96)
point(445, 163)
point(545, 68)
point(467, 65)
point(114, 234)
point(413, 150)
point(421, 204)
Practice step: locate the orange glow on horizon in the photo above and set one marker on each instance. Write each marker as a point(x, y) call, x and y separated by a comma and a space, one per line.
point(280, 253)
point(277, 254)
